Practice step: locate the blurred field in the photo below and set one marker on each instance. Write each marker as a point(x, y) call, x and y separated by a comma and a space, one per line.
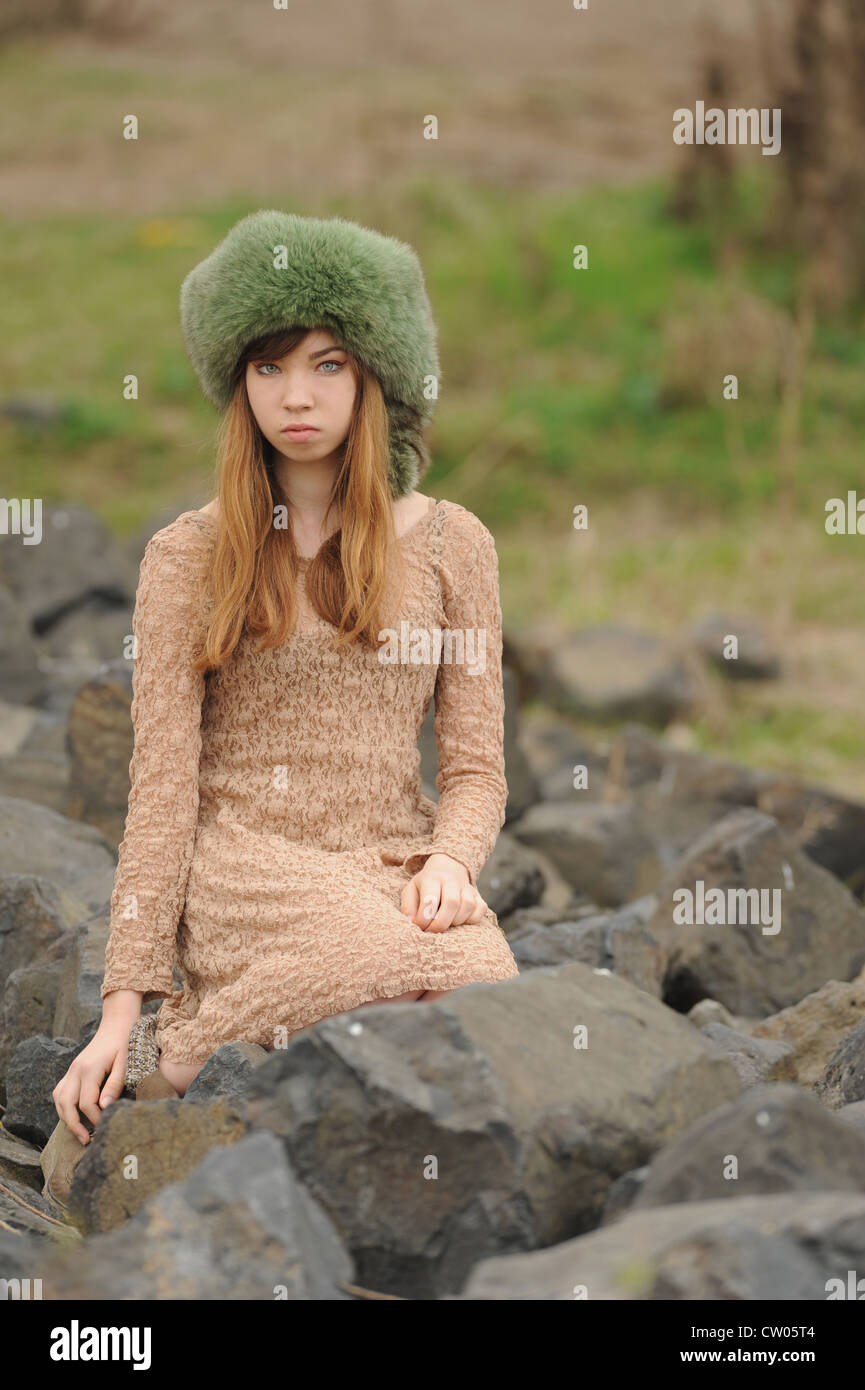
point(559, 386)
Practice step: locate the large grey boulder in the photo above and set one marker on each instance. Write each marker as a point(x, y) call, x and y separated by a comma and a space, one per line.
point(679, 792)
point(617, 941)
point(140, 1147)
point(36, 1066)
point(774, 1138)
point(495, 1118)
point(53, 577)
point(238, 1227)
point(599, 848)
point(793, 1246)
point(75, 857)
point(607, 672)
point(755, 967)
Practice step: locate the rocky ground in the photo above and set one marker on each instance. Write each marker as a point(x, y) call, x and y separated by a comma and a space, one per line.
point(655, 1109)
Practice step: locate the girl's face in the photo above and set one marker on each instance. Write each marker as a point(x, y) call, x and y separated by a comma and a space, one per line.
point(312, 387)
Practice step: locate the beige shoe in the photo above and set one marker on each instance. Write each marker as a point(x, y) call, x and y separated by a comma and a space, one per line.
point(156, 1087)
point(60, 1158)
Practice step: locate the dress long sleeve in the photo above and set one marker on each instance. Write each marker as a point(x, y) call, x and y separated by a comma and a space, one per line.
point(155, 853)
point(469, 706)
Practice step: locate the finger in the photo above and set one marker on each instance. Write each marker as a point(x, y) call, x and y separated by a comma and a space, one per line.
point(450, 902)
point(479, 910)
point(467, 912)
point(409, 898)
point(429, 895)
point(88, 1099)
point(116, 1079)
point(65, 1095)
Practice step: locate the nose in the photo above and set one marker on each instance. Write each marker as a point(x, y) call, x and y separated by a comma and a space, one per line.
point(296, 390)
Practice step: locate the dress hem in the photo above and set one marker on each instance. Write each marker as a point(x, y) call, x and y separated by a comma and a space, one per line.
point(422, 979)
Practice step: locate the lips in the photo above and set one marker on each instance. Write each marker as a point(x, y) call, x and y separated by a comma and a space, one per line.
point(299, 431)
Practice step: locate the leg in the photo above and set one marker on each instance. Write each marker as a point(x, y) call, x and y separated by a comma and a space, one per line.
point(394, 999)
point(180, 1074)
point(434, 993)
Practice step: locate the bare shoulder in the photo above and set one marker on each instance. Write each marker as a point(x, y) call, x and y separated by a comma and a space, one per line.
point(408, 510)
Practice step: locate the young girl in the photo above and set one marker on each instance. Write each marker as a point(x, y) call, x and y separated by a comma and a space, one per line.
point(289, 638)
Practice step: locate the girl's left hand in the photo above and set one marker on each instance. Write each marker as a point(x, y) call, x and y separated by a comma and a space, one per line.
point(440, 895)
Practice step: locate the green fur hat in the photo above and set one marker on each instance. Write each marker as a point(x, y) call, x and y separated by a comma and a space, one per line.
point(275, 270)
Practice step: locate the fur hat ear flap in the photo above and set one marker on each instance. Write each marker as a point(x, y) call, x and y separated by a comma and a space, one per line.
point(276, 270)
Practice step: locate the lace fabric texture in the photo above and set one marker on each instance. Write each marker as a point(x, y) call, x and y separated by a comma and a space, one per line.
point(275, 812)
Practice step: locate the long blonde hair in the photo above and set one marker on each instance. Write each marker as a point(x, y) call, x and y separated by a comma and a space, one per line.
point(253, 571)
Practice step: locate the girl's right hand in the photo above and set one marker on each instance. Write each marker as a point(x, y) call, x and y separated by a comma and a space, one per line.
point(80, 1088)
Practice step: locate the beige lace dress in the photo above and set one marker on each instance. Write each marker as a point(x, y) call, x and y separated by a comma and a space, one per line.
point(275, 811)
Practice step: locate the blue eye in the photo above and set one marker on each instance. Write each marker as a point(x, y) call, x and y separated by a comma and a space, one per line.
point(330, 362)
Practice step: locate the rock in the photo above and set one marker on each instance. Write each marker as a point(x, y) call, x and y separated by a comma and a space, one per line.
point(476, 1124)
point(528, 918)
point(22, 680)
point(709, 1011)
point(829, 828)
point(750, 970)
point(24, 1210)
point(35, 410)
point(22, 1258)
point(33, 775)
point(757, 1060)
point(616, 673)
point(615, 941)
point(779, 1137)
point(34, 765)
point(556, 753)
point(19, 1161)
point(17, 722)
point(785, 1246)
point(51, 579)
point(140, 1147)
point(523, 788)
point(668, 783)
point(79, 1002)
point(597, 847)
point(843, 1080)
point(28, 1007)
point(35, 1068)
point(75, 857)
point(817, 1025)
point(511, 878)
point(854, 1114)
point(622, 1194)
point(238, 1227)
point(34, 916)
point(226, 1073)
point(755, 659)
point(100, 741)
point(94, 633)
point(536, 946)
